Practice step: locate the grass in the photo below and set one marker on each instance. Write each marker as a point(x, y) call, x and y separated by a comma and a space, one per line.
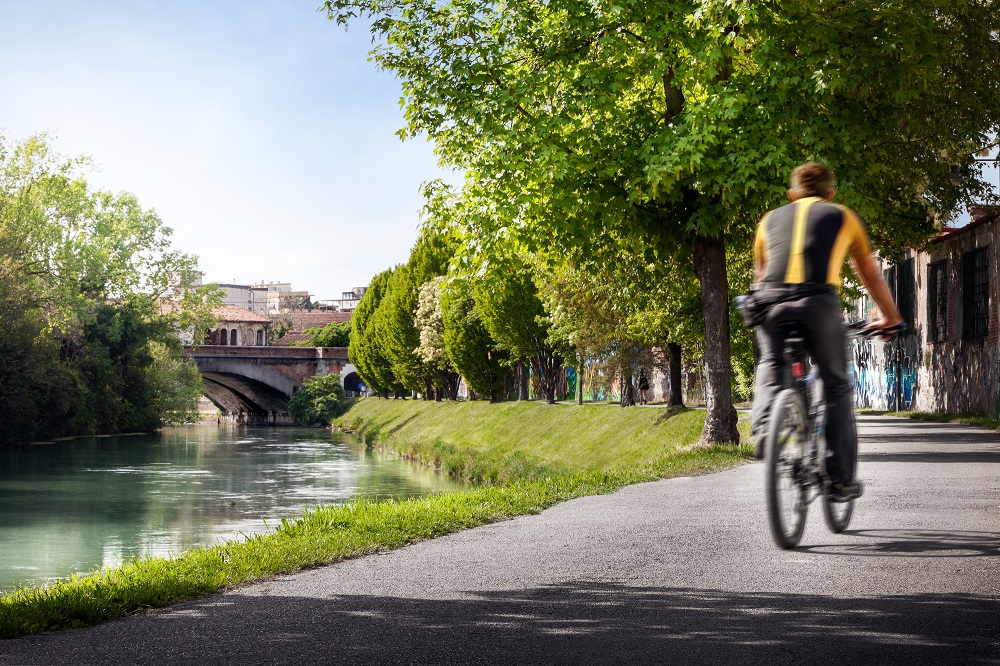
point(528, 457)
point(499, 443)
point(991, 422)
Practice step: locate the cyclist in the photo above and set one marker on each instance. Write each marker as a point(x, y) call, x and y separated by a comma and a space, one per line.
point(799, 252)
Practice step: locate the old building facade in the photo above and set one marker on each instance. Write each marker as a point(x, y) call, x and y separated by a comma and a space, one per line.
point(950, 360)
point(239, 327)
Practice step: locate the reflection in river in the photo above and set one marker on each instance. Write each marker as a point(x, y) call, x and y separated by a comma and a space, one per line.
point(77, 505)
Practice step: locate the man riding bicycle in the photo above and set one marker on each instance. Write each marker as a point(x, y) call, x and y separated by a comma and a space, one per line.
point(799, 252)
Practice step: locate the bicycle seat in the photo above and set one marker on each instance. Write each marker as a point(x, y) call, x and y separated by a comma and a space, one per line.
point(792, 328)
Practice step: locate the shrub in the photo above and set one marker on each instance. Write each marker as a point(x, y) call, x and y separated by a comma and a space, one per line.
point(320, 399)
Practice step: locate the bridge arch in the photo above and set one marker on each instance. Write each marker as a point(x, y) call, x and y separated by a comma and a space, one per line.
point(350, 379)
point(244, 399)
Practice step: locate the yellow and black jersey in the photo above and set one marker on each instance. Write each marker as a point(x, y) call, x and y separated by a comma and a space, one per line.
point(807, 240)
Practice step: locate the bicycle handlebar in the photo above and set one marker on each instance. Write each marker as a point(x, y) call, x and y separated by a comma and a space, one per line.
point(857, 329)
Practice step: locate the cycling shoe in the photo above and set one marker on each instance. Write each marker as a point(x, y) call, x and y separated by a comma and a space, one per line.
point(844, 492)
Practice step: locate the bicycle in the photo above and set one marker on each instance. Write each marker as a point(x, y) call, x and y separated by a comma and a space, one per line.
point(795, 445)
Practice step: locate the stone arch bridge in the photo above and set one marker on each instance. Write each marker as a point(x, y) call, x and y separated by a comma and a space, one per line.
point(254, 384)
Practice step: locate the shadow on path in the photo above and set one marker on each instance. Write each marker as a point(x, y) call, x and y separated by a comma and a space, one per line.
point(567, 623)
point(942, 455)
point(915, 543)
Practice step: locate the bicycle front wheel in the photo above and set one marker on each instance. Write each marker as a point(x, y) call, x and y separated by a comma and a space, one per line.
point(785, 483)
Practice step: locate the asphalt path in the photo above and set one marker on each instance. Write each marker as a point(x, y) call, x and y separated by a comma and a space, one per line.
point(674, 572)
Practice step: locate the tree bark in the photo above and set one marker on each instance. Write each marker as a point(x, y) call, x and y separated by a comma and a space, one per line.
point(579, 385)
point(522, 381)
point(628, 391)
point(676, 376)
point(710, 266)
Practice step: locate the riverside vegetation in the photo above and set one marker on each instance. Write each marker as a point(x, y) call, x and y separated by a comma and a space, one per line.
point(524, 457)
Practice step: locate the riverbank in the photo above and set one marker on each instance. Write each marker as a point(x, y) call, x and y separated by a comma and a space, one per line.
point(530, 456)
point(501, 443)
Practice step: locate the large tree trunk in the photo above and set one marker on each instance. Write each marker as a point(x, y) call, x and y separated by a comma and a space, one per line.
point(579, 385)
point(710, 266)
point(547, 371)
point(522, 381)
point(628, 391)
point(676, 376)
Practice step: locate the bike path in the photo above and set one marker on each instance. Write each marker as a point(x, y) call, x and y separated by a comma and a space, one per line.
point(676, 571)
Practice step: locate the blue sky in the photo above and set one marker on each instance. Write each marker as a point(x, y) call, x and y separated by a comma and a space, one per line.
point(258, 130)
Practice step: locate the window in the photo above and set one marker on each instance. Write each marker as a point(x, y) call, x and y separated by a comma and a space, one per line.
point(223, 336)
point(904, 297)
point(232, 337)
point(901, 286)
point(975, 293)
point(260, 338)
point(937, 301)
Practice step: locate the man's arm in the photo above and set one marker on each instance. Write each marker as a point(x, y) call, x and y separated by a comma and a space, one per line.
point(871, 277)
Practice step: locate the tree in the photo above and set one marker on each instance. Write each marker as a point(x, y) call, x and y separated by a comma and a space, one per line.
point(397, 333)
point(394, 325)
point(675, 123)
point(334, 334)
point(320, 400)
point(365, 349)
point(507, 301)
point(621, 315)
point(85, 345)
point(473, 352)
point(430, 324)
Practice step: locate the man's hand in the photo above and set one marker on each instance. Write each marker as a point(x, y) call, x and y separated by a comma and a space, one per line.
point(884, 323)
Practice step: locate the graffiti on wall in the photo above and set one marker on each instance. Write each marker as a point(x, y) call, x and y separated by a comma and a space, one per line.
point(881, 370)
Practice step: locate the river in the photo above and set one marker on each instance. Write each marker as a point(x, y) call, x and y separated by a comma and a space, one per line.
point(79, 505)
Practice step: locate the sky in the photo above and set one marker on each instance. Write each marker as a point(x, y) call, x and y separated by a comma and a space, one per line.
point(257, 130)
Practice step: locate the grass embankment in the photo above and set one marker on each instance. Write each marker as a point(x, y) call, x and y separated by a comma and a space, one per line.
point(991, 422)
point(505, 442)
point(530, 456)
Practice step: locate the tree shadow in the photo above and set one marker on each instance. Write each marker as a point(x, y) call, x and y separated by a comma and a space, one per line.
point(399, 426)
point(573, 622)
point(669, 412)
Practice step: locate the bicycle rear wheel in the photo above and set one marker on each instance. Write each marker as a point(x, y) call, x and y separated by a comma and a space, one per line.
point(837, 514)
point(785, 485)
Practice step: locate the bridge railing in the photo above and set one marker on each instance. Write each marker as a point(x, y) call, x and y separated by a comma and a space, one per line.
point(286, 353)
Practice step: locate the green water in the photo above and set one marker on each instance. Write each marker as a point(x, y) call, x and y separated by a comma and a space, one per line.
point(80, 505)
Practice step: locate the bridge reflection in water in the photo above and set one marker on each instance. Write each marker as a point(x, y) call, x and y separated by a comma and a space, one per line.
point(253, 385)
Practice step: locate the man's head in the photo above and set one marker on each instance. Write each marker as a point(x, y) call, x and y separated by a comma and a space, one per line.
point(811, 179)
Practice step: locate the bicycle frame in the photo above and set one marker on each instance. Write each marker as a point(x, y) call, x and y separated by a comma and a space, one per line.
point(811, 475)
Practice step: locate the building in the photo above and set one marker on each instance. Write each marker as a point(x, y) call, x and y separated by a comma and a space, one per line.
point(950, 360)
point(249, 297)
point(239, 327)
point(348, 300)
point(267, 298)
